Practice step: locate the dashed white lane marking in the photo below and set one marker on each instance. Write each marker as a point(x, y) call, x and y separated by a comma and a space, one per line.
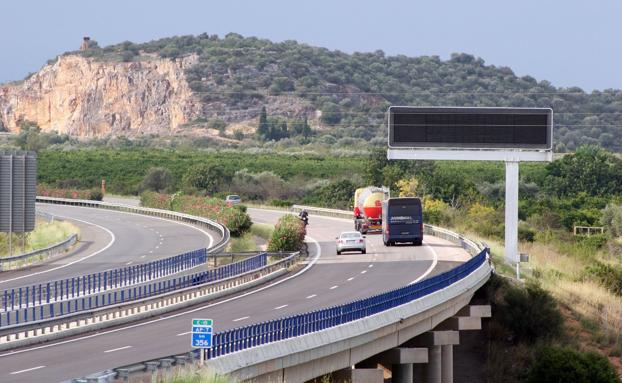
point(26, 370)
point(130, 262)
point(280, 307)
point(432, 266)
point(239, 319)
point(172, 316)
point(150, 251)
point(118, 349)
point(370, 266)
point(143, 256)
point(334, 287)
point(157, 247)
point(363, 272)
point(312, 296)
point(351, 278)
point(184, 333)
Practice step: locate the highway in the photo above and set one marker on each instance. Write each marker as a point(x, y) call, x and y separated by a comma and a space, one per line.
point(110, 239)
point(326, 280)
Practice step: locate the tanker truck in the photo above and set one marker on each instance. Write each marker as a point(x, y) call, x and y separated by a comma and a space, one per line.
point(368, 208)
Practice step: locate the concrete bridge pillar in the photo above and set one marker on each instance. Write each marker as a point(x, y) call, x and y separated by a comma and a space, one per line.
point(402, 360)
point(447, 363)
point(432, 370)
point(440, 356)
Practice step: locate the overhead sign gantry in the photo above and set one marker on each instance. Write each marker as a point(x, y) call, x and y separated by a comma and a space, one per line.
point(510, 135)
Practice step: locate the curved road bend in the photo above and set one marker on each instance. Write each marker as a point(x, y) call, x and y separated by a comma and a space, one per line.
point(110, 239)
point(331, 280)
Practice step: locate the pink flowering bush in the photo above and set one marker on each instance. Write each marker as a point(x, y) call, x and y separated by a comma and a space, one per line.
point(288, 235)
point(234, 217)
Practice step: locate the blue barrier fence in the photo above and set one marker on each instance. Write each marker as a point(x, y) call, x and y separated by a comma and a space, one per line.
point(242, 338)
point(75, 287)
point(54, 309)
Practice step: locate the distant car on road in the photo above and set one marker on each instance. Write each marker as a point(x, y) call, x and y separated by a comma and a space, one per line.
point(351, 241)
point(233, 199)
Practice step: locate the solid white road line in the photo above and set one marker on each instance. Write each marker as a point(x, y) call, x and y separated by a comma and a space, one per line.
point(26, 370)
point(432, 266)
point(239, 319)
point(312, 296)
point(172, 316)
point(280, 307)
point(118, 349)
point(112, 240)
point(334, 287)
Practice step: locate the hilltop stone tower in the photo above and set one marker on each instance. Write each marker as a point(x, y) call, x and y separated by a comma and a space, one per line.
point(86, 40)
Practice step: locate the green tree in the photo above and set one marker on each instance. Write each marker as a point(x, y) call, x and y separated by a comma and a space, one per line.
point(209, 177)
point(591, 169)
point(157, 179)
point(263, 129)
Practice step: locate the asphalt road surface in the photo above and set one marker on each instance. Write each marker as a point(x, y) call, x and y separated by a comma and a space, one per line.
point(328, 280)
point(110, 239)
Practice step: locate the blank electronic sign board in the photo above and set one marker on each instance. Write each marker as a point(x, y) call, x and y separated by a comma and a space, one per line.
point(475, 128)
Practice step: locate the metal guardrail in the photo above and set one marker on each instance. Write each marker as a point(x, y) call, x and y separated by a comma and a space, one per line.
point(242, 338)
point(158, 304)
point(21, 260)
point(17, 318)
point(247, 337)
point(31, 299)
point(53, 292)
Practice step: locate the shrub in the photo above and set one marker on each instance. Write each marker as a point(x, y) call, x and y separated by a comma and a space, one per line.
point(288, 235)
point(612, 219)
point(280, 203)
point(235, 218)
point(435, 211)
point(157, 179)
point(608, 276)
point(45, 191)
point(529, 314)
point(525, 233)
point(554, 364)
point(96, 195)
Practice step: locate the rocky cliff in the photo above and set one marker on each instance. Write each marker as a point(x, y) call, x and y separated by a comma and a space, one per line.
point(89, 98)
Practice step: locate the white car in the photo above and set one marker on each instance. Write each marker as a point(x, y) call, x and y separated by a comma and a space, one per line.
point(233, 199)
point(351, 241)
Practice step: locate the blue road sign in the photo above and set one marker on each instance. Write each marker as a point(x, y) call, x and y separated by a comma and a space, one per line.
point(202, 330)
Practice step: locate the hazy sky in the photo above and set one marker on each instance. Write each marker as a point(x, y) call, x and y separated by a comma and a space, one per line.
point(568, 42)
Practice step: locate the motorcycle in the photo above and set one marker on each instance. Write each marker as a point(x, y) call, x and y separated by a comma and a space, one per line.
point(304, 219)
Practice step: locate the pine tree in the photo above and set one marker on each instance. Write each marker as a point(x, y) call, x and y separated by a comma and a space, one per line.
point(263, 129)
point(306, 129)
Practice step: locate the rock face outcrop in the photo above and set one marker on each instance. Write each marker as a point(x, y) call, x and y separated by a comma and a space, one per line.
point(88, 98)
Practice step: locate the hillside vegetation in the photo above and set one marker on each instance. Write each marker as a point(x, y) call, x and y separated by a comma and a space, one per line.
point(346, 95)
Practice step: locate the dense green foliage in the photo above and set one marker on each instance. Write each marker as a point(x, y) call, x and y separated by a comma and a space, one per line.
point(353, 90)
point(288, 235)
point(555, 364)
point(124, 170)
point(157, 179)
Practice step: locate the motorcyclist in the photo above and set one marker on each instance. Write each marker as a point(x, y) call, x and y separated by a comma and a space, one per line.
point(304, 216)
